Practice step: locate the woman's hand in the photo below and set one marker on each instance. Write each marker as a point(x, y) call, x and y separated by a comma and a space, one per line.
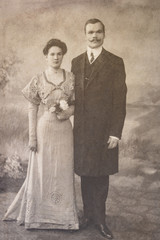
point(66, 114)
point(33, 147)
point(63, 115)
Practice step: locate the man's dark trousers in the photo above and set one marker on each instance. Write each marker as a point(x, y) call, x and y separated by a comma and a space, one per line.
point(94, 195)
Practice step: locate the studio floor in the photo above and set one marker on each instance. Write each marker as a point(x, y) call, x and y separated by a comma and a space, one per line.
point(132, 207)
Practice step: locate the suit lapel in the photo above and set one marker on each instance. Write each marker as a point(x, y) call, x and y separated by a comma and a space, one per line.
point(100, 62)
point(82, 71)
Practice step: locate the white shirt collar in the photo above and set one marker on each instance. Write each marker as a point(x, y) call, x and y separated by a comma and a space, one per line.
point(96, 52)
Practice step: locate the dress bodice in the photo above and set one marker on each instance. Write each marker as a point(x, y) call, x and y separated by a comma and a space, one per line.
point(40, 90)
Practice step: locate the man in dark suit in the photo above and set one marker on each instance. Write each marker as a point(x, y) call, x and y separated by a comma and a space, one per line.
point(100, 109)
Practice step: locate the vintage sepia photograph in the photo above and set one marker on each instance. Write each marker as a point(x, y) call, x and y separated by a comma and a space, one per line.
point(79, 119)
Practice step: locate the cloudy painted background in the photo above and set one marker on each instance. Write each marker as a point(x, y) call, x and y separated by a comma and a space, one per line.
point(132, 32)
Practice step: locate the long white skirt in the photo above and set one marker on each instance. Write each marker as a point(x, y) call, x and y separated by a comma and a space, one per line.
point(47, 198)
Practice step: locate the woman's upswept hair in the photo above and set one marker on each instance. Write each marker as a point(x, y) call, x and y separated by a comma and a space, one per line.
point(55, 43)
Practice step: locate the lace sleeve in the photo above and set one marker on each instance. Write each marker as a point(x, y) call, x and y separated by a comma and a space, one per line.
point(30, 92)
point(32, 116)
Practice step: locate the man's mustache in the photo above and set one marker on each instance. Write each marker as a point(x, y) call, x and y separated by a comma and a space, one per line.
point(95, 39)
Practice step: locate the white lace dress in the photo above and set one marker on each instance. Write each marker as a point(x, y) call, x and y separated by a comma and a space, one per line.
point(47, 198)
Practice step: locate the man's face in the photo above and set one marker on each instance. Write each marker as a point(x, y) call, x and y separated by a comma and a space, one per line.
point(94, 35)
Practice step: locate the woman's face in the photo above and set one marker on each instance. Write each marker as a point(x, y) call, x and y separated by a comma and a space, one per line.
point(54, 57)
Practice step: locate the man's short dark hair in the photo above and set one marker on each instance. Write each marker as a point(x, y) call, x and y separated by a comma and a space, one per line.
point(55, 43)
point(93, 21)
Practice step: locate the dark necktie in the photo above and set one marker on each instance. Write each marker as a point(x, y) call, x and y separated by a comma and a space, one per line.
point(91, 57)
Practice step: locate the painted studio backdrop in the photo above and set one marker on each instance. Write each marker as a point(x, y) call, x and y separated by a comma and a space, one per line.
point(132, 32)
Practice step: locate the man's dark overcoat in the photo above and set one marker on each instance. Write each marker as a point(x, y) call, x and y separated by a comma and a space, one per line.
point(100, 109)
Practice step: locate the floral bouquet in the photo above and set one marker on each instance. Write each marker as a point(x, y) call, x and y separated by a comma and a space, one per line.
point(64, 107)
point(61, 105)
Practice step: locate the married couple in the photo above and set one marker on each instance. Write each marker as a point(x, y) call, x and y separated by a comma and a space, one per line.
point(95, 93)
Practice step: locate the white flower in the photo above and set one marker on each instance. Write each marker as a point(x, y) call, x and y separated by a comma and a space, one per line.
point(44, 101)
point(52, 109)
point(63, 104)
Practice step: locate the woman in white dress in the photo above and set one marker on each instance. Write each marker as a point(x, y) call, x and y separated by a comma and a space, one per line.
point(47, 198)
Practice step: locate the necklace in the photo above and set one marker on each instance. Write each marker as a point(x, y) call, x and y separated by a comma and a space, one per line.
point(54, 77)
point(53, 72)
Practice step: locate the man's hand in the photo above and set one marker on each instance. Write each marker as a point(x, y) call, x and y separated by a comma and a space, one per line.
point(112, 142)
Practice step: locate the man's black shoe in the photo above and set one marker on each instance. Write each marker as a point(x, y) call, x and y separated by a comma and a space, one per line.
point(104, 231)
